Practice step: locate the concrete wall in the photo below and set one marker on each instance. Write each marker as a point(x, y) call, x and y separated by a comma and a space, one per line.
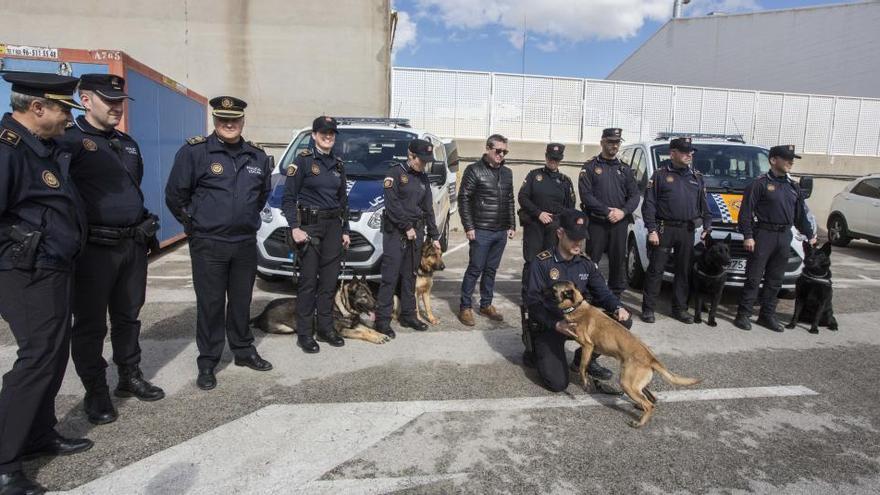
point(831, 50)
point(291, 60)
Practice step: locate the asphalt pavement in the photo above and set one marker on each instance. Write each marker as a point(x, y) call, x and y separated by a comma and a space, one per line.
point(453, 409)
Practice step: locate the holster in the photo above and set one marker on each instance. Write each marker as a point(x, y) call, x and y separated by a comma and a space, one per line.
point(24, 251)
point(145, 232)
point(526, 330)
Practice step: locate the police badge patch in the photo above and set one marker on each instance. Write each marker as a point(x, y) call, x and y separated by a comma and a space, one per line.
point(539, 177)
point(291, 170)
point(226, 103)
point(404, 179)
point(50, 180)
point(216, 168)
point(771, 187)
point(598, 170)
point(89, 145)
point(316, 169)
point(554, 273)
point(670, 179)
point(388, 182)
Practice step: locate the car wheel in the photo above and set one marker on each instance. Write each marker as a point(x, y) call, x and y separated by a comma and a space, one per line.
point(837, 232)
point(635, 274)
point(444, 237)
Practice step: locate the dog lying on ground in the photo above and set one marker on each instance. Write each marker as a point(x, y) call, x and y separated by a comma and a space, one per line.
point(431, 261)
point(598, 332)
point(708, 276)
point(353, 306)
point(813, 290)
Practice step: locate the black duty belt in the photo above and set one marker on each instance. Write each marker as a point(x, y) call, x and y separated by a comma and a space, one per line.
point(678, 224)
point(113, 232)
point(773, 227)
point(312, 215)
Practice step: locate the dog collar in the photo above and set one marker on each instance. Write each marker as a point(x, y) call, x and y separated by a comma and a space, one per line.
point(571, 309)
point(818, 279)
point(701, 272)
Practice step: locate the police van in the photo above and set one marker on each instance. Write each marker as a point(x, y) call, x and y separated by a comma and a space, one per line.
point(368, 148)
point(728, 165)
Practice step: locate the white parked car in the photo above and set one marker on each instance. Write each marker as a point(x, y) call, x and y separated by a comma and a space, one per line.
point(728, 165)
point(368, 148)
point(855, 212)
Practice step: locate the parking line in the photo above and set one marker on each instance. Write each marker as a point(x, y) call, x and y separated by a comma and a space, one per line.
point(456, 248)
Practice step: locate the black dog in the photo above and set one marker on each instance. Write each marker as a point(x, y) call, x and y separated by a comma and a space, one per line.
point(813, 290)
point(708, 277)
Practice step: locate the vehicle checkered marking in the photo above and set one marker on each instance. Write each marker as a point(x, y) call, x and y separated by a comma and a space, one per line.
point(728, 205)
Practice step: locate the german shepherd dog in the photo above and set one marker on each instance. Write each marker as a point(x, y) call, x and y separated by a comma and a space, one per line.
point(353, 306)
point(708, 276)
point(431, 261)
point(813, 291)
point(598, 332)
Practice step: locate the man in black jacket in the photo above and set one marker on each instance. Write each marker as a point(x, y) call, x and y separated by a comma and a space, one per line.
point(486, 207)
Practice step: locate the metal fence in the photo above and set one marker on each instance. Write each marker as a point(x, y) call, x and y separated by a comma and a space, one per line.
point(466, 104)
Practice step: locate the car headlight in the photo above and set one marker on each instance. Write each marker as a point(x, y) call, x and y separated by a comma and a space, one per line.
point(375, 221)
point(266, 214)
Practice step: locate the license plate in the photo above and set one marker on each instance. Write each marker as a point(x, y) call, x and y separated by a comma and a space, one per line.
point(736, 266)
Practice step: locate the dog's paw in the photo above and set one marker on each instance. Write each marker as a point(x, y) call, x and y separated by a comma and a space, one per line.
point(634, 424)
point(832, 327)
point(712, 323)
point(434, 320)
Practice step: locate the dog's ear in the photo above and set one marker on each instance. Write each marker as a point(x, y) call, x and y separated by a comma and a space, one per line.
point(729, 236)
point(826, 248)
point(708, 241)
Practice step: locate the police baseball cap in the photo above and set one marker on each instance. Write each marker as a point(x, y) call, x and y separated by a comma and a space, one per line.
point(574, 223)
point(612, 134)
point(785, 151)
point(107, 86)
point(555, 151)
point(227, 107)
point(682, 144)
point(324, 123)
point(43, 85)
point(424, 150)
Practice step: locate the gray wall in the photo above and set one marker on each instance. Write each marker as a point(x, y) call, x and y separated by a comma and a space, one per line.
point(290, 59)
point(831, 50)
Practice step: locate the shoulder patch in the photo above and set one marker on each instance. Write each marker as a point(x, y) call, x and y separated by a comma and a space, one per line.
point(68, 125)
point(389, 181)
point(196, 140)
point(255, 145)
point(305, 153)
point(10, 137)
point(543, 255)
point(291, 170)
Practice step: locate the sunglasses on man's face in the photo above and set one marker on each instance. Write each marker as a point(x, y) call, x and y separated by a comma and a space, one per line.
point(500, 151)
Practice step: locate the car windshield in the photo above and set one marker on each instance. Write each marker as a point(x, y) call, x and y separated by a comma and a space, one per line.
point(367, 153)
point(724, 167)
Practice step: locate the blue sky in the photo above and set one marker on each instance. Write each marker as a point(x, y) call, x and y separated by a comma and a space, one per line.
point(575, 38)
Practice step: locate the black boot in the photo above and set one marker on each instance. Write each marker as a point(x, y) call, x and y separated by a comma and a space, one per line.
point(133, 384)
point(682, 316)
point(331, 337)
point(307, 343)
point(648, 315)
point(412, 322)
point(742, 321)
point(770, 321)
point(98, 406)
point(384, 328)
point(17, 483)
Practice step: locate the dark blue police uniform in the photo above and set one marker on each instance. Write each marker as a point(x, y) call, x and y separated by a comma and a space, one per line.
point(216, 190)
point(42, 230)
point(605, 184)
point(409, 204)
point(316, 201)
point(675, 204)
point(111, 273)
point(771, 206)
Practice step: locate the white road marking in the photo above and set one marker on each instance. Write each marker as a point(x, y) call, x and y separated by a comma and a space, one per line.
point(272, 451)
point(456, 248)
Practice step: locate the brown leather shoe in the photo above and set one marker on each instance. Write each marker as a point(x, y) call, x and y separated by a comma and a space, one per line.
point(466, 316)
point(491, 313)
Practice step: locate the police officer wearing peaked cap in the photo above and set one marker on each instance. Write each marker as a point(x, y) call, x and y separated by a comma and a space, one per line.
point(771, 205)
point(42, 231)
point(315, 204)
point(548, 327)
point(409, 210)
point(111, 273)
point(609, 195)
point(216, 189)
point(675, 205)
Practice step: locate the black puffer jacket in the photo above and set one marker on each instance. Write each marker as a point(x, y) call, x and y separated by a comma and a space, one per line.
point(485, 202)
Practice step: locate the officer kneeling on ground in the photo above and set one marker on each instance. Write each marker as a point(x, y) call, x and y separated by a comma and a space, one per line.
point(548, 329)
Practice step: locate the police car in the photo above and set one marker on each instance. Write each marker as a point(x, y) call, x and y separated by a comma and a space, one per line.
point(368, 147)
point(728, 165)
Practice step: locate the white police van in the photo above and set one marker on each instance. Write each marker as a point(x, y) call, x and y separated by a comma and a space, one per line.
point(728, 165)
point(368, 147)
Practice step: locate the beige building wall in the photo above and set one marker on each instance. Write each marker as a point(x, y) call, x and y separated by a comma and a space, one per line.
point(291, 60)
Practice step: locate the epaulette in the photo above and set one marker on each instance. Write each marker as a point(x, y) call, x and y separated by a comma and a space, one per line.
point(10, 137)
point(543, 255)
point(69, 124)
point(305, 152)
point(255, 145)
point(196, 140)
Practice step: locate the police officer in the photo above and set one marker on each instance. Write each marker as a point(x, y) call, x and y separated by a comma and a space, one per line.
point(409, 209)
point(675, 204)
point(216, 189)
point(111, 272)
point(42, 230)
point(544, 193)
point(549, 329)
point(771, 204)
point(315, 204)
point(609, 196)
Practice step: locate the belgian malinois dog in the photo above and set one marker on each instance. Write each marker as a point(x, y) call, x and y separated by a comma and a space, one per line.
point(353, 307)
point(597, 331)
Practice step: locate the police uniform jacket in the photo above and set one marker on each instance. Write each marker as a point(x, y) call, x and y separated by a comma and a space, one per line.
point(605, 184)
point(37, 194)
point(409, 200)
point(774, 200)
point(675, 194)
point(107, 168)
point(315, 180)
point(546, 190)
point(217, 191)
point(548, 268)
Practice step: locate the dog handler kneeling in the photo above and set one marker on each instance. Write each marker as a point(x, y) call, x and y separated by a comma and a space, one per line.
point(548, 328)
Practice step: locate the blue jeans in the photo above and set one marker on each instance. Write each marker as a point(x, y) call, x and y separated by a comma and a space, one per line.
point(484, 258)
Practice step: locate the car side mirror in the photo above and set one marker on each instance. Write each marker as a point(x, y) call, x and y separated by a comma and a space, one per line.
point(806, 183)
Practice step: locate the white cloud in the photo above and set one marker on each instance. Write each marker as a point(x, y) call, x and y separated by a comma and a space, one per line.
point(405, 35)
point(703, 7)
